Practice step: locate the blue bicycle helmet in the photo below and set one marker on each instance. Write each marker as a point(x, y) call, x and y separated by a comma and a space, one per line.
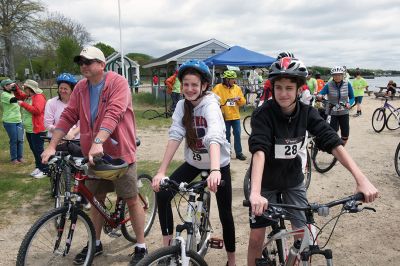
point(66, 78)
point(199, 66)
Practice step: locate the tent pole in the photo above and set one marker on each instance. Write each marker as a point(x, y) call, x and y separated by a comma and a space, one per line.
point(213, 76)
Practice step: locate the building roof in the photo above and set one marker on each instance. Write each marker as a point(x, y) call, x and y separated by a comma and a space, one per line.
point(117, 55)
point(174, 55)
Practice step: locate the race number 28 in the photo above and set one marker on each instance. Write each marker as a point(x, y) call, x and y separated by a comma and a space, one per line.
point(290, 150)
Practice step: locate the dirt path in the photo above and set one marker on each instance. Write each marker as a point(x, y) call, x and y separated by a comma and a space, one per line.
point(362, 239)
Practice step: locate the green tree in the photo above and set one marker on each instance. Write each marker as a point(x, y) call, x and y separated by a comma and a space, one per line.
point(67, 48)
point(18, 18)
point(142, 59)
point(105, 48)
point(57, 26)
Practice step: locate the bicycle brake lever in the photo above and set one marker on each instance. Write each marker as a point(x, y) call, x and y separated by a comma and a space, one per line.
point(368, 208)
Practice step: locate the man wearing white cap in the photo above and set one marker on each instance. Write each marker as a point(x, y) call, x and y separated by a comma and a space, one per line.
point(102, 103)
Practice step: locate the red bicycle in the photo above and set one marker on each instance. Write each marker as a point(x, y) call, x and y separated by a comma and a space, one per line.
point(60, 234)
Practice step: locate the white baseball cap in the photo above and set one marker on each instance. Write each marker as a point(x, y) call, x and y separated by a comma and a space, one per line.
point(90, 52)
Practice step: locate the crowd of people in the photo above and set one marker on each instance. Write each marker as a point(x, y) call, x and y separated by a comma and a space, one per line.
point(98, 110)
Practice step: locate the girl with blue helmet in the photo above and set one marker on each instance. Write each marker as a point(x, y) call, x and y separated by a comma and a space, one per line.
point(198, 120)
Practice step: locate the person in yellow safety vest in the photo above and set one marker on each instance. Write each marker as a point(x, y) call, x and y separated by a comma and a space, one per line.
point(231, 98)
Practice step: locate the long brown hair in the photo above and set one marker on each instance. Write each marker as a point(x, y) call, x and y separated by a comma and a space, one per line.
point(187, 119)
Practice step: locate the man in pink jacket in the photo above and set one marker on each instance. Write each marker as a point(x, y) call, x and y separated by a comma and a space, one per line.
point(102, 104)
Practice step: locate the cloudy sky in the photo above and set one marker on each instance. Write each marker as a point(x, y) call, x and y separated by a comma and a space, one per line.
point(357, 33)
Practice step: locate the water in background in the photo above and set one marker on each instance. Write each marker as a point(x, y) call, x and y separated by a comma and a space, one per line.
point(381, 82)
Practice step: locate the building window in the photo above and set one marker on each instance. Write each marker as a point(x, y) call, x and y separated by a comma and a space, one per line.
point(213, 51)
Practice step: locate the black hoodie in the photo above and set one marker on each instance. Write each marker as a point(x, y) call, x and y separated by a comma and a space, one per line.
point(271, 127)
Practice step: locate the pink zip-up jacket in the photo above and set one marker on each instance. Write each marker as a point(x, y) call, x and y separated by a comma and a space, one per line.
point(115, 113)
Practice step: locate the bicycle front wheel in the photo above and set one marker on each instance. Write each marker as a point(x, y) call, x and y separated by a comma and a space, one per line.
point(147, 197)
point(171, 256)
point(205, 227)
point(246, 124)
point(393, 120)
point(62, 184)
point(378, 119)
point(150, 114)
point(322, 161)
point(397, 159)
point(56, 238)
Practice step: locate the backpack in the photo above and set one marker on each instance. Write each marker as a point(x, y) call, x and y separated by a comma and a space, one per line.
point(169, 83)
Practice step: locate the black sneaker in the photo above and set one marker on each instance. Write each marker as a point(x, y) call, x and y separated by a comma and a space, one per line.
point(81, 257)
point(138, 255)
point(241, 157)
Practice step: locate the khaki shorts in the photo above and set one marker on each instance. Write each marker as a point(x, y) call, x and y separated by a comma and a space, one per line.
point(125, 186)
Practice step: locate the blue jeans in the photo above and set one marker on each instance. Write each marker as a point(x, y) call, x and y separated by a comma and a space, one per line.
point(15, 132)
point(235, 124)
point(36, 143)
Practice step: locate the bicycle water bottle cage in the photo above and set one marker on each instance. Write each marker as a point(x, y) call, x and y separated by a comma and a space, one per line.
point(216, 243)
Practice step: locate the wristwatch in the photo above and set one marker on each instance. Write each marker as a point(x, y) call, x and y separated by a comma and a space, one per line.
point(97, 141)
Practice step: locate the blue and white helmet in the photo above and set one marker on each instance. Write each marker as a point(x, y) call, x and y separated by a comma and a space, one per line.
point(199, 66)
point(66, 78)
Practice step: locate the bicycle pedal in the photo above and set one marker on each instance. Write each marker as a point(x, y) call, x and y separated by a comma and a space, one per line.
point(216, 243)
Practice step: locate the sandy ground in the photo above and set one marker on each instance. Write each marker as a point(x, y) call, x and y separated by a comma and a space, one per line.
point(361, 239)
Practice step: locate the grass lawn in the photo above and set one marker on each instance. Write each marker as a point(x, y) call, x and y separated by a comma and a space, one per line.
point(18, 188)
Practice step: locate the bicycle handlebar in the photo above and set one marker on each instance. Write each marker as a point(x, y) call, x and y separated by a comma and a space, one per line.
point(276, 210)
point(167, 183)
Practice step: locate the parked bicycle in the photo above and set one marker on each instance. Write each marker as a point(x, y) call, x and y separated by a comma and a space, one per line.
point(397, 159)
point(276, 250)
point(380, 119)
point(247, 119)
point(60, 234)
point(191, 249)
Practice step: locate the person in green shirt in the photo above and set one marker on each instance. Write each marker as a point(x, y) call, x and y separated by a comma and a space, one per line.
point(311, 83)
point(359, 85)
point(12, 121)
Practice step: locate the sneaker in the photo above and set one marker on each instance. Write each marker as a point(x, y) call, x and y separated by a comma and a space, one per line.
point(39, 175)
point(81, 257)
point(34, 172)
point(138, 255)
point(241, 157)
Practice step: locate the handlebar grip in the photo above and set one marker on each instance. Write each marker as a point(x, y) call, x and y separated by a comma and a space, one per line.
point(359, 196)
point(222, 183)
point(246, 203)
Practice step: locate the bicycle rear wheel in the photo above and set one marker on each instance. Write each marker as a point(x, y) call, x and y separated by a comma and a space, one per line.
point(150, 114)
point(246, 185)
point(56, 238)
point(322, 161)
point(378, 119)
point(307, 171)
point(147, 196)
point(171, 256)
point(392, 121)
point(246, 124)
point(397, 159)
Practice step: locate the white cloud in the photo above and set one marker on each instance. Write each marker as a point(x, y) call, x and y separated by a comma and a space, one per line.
point(354, 33)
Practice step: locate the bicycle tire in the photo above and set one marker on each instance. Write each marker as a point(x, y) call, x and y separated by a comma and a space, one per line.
point(397, 159)
point(147, 193)
point(322, 161)
point(150, 114)
point(246, 185)
point(205, 227)
point(171, 256)
point(307, 174)
point(246, 124)
point(392, 121)
point(62, 184)
point(45, 232)
point(378, 116)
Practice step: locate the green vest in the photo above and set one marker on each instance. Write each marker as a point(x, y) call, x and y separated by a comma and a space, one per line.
point(27, 117)
point(11, 111)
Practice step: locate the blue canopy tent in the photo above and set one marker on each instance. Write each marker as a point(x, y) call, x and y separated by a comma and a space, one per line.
point(238, 56)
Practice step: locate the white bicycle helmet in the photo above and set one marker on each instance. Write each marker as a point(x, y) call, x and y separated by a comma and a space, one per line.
point(337, 70)
point(285, 54)
point(288, 67)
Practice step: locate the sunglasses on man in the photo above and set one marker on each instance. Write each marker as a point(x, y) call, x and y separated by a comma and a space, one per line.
point(85, 61)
